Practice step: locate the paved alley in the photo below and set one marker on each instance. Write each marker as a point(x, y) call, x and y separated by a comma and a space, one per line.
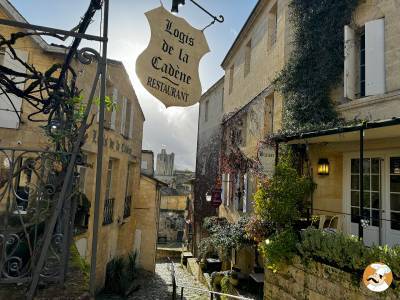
point(158, 286)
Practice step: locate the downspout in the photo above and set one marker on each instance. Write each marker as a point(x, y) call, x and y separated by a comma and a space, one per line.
point(360, 225)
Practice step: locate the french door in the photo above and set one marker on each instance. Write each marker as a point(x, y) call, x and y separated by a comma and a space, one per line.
point(381, 198)
point(372, 198)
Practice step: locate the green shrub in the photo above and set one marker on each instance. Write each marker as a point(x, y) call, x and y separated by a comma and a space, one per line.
point(227, 287)
point(120, 273)
point(346, 252)
point(280, 249)
point(282, 201)
point(224, 237)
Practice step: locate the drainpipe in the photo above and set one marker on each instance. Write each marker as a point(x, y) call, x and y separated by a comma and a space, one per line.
point(360, 227)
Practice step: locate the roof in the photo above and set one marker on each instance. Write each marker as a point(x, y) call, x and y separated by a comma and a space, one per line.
point(285, 138)
point(213, 87)
point(153, 179)
point(242, 34)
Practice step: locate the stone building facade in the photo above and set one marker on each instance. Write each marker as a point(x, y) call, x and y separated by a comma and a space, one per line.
point(211, 111)
point(370, 92)
point(122, 145)
point(252, 110)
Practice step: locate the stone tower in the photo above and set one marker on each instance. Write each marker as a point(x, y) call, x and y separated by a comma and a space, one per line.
point(165, 164)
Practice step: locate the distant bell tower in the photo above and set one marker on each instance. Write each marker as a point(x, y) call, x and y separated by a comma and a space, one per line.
point(165, 164)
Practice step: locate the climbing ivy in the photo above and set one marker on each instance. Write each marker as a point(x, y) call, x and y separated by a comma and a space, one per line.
point(316, 63)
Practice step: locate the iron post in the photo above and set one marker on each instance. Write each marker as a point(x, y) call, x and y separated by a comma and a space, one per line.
point(99, 164)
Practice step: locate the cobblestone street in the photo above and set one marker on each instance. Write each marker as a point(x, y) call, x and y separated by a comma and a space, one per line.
point(158, 286)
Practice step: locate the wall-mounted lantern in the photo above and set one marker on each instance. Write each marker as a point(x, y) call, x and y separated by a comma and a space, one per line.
point(208, 196)
point(323, 166)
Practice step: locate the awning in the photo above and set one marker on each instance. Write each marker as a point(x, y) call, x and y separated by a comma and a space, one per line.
point(372, 130)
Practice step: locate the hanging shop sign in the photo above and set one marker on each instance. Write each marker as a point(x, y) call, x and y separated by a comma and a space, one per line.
point(169, 67)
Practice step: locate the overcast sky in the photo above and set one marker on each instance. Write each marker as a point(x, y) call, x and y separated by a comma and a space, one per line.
point(173, 128)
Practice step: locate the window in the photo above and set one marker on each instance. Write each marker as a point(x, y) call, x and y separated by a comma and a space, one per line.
point(108, 113)
point(123, 115)
point(365, 60)
point(206, 104)
point(231, 74)
point(247, 59)
point(372, 187)
point(269, 114)
point(362, 64)
point(108, 201)
point(114, 110)
point(8, 117)
point(395, 193)
point(273, 25)
point(144, 165)
point(128, 129)
point(128, 192)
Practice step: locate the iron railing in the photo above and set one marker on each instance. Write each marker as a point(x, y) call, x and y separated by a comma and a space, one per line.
point(212, 294)
point(30, 184)
point(127, 206)
point(108, 216)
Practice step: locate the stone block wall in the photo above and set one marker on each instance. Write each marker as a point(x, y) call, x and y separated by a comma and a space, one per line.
point(318, 281)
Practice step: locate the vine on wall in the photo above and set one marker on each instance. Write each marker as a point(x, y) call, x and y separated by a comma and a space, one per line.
point(316, 63)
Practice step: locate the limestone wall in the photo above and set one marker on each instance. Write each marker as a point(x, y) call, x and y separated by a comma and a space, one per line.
point(318, 281)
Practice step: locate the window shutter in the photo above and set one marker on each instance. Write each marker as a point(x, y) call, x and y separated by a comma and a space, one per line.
point(123, 115)
point(223, 188)
point(228, 187)
point(114, 110)
point(350, 54)
point(236, 194)
point(375, 57)
point(131, 122)
point(8, 117)
point(245, 193)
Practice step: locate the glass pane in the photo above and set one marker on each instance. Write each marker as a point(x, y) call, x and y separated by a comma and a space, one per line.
point(375, 183)
point(367, 199)
point(355, 184)
point(395, 183)
point(395, 165)
point(375, 218)
point(366, 165)
point(355, 166)
point(375, 200)
point(395, 202)
point(375, 165)
point(355, 214)
point(395, 217)
point(355, 198)
point(367, 182)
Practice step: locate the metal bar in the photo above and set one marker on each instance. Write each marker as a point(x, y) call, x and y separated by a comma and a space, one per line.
point(100, 147)
point(276, 153)
point(51, 30)
point(360, 227)
point(32, 150)
point(53, 220)
point(219, 19)
point(181, 293)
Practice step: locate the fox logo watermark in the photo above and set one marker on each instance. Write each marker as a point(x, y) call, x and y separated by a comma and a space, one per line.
point(377, 277)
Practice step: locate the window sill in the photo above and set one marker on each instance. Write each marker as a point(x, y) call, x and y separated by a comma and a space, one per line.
point(368, 101)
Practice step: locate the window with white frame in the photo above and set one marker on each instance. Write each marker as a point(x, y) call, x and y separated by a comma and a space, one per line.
point(364, 67)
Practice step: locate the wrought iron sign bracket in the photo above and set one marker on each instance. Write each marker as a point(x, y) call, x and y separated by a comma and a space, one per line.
point(176, 3)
